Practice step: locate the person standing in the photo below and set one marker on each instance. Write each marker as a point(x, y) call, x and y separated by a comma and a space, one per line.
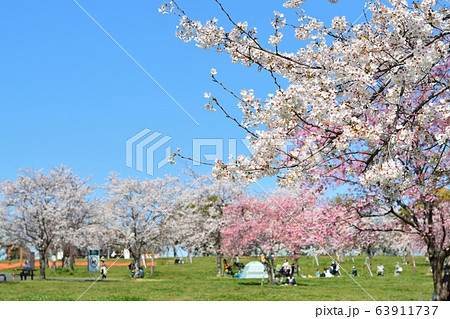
point(263, 260)
point(103, 270)
point(272, 259)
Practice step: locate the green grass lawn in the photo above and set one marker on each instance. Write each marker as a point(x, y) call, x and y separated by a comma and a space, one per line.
point(197, 281)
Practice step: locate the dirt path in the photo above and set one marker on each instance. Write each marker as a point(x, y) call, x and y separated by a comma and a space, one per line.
point(59, 264)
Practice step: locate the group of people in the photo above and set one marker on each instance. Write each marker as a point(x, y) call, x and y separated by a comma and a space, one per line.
point(398, 269)
point(286, 269)
point(136, 272)
point(284, 275)
point(284, 272)
point(332, 271)
point(289, 281)
point(237, 265)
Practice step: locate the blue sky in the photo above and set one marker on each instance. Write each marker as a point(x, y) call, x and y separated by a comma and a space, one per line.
point(69, 95)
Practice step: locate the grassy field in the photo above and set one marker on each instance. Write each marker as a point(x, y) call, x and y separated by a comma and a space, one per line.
point(197, 281)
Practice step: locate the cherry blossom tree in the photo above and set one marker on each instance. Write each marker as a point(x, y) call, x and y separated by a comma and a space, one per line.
point(135, 211)
point(198, 220)
point(38, 209)
point(84, 232)
point(366, 105)
point(288, 221)
point(265, 227)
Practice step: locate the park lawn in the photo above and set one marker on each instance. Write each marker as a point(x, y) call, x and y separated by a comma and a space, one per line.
point(197, 281)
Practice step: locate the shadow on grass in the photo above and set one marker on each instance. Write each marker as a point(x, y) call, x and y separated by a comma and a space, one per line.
point(241, 283)
point(82, 280)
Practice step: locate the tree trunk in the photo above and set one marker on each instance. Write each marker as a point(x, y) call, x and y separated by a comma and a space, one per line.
point(174, 251)
point(42, 264)
point(152, 261)
point(315, 258)
point(437, 259)
point(190, 256)
point(269, 272)
point(71, 262)
point(369, 260)
point(413, 260)
point(136, 261)
point(295, 269)
point(219, 265)
point(64, 262)
point(66, 256)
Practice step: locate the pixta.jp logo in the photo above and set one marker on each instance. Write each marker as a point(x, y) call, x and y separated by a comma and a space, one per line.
point(142, 148)
point(149, 149)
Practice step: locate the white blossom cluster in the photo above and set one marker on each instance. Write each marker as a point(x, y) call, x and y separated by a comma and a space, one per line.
point(363, 104)
point(358, 94)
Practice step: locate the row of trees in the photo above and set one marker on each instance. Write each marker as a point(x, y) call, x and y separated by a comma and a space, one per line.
point(200, 215)
point(366, 105)
point(294, 222)
point(60, 210)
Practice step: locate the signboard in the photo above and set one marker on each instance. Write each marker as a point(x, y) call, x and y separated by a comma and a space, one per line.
point(93, 260)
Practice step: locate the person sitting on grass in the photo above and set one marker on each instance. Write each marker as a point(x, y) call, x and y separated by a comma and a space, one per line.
point(324, 272)
point(227, 268)
point(278, 280)
point(132, 268)
point(380, 270)
point(141, 273)
point(328, 273)
point(333, 268)
point(290, 281)
point(398, 269)
point(337, 271)
point(354, 272)
point(286, 268)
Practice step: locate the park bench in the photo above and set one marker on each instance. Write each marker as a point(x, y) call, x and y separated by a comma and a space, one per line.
point(22, 275)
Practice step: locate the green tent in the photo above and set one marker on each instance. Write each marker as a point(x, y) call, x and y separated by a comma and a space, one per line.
point(254, 269)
